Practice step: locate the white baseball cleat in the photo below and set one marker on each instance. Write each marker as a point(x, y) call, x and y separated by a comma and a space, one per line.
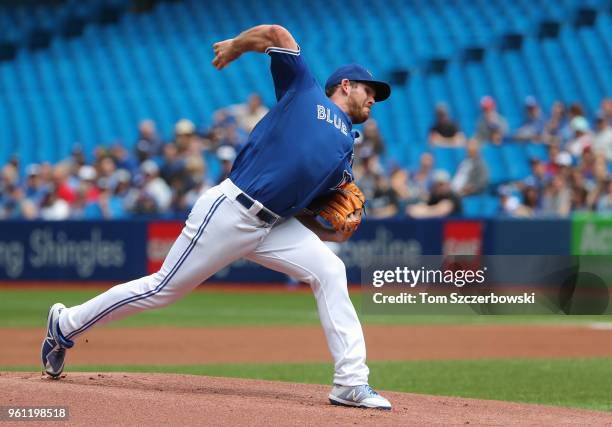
point(361, 396)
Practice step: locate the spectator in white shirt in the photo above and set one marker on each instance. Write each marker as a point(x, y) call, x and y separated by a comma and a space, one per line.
point(154, 186)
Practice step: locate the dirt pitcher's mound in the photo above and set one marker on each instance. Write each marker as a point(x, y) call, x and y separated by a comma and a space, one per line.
point(128, 399)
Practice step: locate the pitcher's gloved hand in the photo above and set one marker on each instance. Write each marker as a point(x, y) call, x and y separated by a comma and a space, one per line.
point(342, 209)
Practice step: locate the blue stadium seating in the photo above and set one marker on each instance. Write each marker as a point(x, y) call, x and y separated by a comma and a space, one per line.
point(480, 206)
point(536, 151)
point(444, 159)
point(515, 161)
point(93, 88)
point(492, 155)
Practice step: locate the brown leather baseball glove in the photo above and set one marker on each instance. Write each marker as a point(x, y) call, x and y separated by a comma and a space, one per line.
point(342, 209)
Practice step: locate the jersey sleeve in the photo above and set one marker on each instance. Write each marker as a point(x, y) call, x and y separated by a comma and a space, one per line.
point(289, 70)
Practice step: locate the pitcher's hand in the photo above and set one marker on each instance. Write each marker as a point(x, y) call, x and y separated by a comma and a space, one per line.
point(225, 52)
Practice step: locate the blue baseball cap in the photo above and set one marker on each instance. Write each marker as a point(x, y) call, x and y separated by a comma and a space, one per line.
point(357, 73)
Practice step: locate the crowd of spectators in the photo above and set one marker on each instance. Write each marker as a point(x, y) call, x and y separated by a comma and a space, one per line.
point(165, 178)
point(157, 177)
point(575, 176)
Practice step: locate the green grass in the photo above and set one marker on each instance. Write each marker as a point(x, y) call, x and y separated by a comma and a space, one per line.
point(582, 383)
point(216, 308)
point(27, 308)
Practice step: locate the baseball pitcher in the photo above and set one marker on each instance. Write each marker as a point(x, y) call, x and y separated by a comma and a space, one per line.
point(294, 170)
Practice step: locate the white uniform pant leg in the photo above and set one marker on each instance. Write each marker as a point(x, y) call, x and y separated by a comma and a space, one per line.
point(295, 250)
point(217, 232)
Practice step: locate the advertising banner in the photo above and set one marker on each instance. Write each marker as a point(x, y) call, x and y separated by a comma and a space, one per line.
point(510, 236)
point(462, 238)
point(160, 237)
point(592, 235)
point(71, 250)
point(376, 241)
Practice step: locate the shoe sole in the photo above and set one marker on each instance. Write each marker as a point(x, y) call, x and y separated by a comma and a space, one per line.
point(49, 320)
point(341, 402)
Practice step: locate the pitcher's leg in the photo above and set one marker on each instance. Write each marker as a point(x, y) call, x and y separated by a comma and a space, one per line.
point(212, 238)
point(293, 249)
point(154, 291)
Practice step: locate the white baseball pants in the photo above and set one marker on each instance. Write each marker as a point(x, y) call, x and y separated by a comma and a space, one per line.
point(218, 231)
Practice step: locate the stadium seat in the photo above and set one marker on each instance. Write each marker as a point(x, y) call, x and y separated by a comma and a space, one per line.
point(445, 159)
point(99, 82)
point(492, 156)
point(516, 161)
point(480, 206)
point(536, 151)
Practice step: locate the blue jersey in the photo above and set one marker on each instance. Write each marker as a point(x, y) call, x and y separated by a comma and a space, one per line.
point(302, 148)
